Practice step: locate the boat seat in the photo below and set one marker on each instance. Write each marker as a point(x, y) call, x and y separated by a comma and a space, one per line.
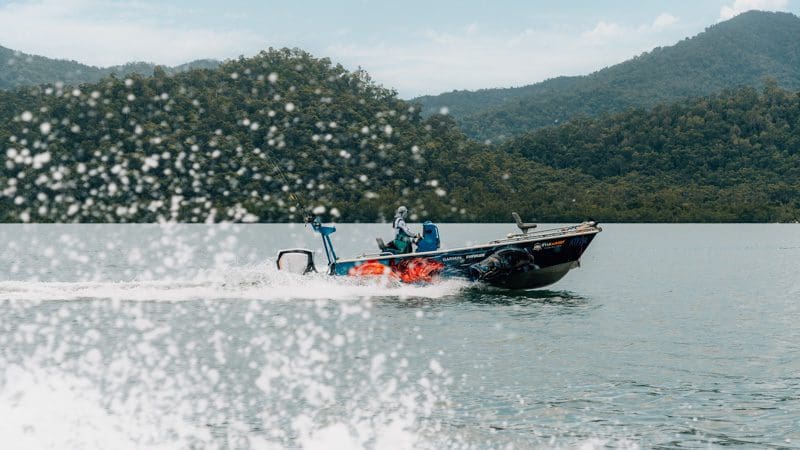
point(382, 245)
point(390, 248)
point(524, 227)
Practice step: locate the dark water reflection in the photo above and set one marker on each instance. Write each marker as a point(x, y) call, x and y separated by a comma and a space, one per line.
point(483, 296)
point(567, 299)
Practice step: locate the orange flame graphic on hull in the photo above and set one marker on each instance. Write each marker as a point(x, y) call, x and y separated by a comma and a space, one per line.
point(372, 269)
point(417, 270)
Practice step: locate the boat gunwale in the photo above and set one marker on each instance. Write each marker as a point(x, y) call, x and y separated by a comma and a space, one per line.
point(543, 235)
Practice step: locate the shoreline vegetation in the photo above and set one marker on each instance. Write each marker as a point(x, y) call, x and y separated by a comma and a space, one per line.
point(270, 138)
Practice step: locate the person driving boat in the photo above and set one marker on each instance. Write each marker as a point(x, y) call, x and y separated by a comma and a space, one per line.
point(403, 236)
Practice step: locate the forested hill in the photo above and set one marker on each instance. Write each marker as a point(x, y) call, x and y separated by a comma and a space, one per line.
point(739, 52)
point(20, 69)
point(249, 141)
point(734, 156)
point(271, 137)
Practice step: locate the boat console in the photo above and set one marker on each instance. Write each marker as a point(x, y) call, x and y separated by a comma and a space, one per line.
point(429, 241)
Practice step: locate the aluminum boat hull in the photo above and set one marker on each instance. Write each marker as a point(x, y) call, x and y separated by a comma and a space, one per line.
point(520, 261)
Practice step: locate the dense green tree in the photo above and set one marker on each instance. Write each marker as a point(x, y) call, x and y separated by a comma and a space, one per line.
point(272, 137)
point(18, 69)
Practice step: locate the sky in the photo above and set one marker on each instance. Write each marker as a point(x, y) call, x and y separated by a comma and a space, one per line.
point(416, 47)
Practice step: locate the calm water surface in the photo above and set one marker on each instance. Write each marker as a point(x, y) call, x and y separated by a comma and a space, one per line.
point(140, 336)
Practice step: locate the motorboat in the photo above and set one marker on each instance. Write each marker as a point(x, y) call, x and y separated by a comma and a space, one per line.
point(526, 259)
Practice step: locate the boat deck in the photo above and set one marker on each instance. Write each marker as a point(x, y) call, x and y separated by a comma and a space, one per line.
point(513, 238)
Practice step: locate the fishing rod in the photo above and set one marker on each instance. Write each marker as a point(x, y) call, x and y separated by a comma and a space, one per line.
point(315, 221)
point(307, 218)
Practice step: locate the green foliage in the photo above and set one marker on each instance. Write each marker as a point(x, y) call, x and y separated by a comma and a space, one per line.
point(734, 156)
point(739, 52)
point(270, 137)
point(251, 140)
point(19, 69)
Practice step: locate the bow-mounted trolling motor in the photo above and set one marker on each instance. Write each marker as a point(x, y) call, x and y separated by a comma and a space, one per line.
point(301, 260)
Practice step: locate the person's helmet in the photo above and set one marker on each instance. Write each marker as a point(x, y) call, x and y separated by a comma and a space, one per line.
point(401, 212)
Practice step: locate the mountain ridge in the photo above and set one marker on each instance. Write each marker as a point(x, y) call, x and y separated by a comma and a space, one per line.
point(742, 51)
point(18, 69)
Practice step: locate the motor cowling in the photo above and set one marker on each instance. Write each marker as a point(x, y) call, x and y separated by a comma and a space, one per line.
point(296, 260)
point(430, 238)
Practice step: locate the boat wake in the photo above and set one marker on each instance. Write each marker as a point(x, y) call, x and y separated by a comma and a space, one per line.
point(261, 282)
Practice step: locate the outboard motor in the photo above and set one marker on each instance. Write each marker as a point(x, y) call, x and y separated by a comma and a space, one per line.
point(296, 260)
point(430, 238)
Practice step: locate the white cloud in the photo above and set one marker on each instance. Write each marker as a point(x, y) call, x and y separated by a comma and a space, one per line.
point(603, 30)
point(108, 33)
point(472, 56)
point(438, 61)
point(663, 21)
point(740, 6)
point(432, 62)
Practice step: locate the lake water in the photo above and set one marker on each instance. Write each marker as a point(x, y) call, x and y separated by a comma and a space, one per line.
point(145, 336)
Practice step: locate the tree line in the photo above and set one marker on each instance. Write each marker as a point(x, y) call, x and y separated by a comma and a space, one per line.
point(273, 137)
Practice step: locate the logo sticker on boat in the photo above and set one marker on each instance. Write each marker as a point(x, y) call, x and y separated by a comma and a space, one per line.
point(552, 244)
